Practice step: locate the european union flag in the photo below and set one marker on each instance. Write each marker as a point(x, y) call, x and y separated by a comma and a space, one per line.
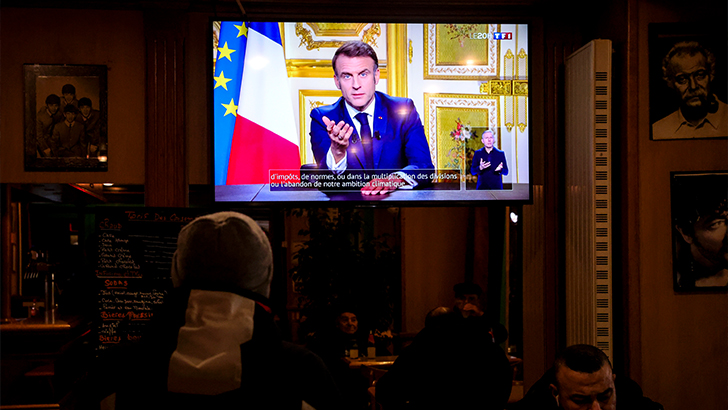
point(226, 93)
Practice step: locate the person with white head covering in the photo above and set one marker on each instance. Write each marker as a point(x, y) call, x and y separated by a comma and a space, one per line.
point(219, 346)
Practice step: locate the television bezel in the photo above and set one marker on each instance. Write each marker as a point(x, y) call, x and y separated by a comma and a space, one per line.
point(377, 200)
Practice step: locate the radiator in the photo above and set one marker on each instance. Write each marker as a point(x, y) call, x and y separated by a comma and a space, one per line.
point(588, 196)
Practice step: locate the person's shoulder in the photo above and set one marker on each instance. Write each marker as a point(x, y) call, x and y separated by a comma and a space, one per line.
point(631, 396)
point(394, 102)
point(666, 127)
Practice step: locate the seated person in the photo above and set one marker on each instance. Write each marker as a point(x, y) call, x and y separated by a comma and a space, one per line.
point(468, 306)
point(215, 345)
point(337, 340)
point(340, 338)
point(450, 364)
point(580, 379)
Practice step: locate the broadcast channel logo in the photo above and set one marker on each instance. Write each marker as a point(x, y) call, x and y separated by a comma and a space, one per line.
point(502, 36)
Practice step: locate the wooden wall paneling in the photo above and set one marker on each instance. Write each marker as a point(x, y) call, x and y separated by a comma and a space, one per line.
point(630, 359)
point(6, 247)
point(165, 166)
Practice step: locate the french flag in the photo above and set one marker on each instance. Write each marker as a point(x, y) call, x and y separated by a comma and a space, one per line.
point(263, 136)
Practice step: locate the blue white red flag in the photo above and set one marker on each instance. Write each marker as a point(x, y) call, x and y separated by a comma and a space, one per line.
point(255, 129)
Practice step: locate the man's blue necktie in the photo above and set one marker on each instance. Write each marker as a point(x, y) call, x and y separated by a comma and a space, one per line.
point(366, 139)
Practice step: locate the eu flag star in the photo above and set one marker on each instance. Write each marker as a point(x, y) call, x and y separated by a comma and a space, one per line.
point(230, 108)
point(225, 52)
point(242, 30)
point(221, 81)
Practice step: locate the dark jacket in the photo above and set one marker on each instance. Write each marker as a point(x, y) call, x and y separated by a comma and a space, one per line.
point(275, 374)
point(399, 141)
point(489, 178)
point(452, 364)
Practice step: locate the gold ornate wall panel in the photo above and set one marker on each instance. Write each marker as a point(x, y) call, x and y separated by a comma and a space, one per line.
point(461, 51)
point(307, 101)
point(398, 54)
point(310, 46)
point(441, 114)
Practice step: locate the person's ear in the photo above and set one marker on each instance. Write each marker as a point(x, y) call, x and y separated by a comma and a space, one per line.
point(336, 81)
point(687, 238)
point(376, 76)
point(554, 391)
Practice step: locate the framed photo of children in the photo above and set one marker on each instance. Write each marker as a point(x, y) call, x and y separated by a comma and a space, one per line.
point(65, 118)
point(700, 237)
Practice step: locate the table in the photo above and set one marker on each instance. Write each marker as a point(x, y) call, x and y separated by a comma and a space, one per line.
point(378, 361)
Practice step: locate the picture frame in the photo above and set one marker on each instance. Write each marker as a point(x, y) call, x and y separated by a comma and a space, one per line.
point(440, 116)
point(51, 143)
point(308, 100)
point(699, 215)
point(448, 46)
point(695, 109)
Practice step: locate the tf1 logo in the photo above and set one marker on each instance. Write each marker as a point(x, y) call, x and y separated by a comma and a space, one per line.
point(502, 36)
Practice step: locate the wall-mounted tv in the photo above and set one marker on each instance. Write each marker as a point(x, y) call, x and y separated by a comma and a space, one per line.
point(407, 114)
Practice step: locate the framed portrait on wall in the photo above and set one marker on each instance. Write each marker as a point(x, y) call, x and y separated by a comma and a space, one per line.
point(65, 118)
point(688, 84)
point(699, 217)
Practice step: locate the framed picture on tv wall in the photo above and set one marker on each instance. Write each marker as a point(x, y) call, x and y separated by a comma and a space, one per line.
point(688, 84)
point(699, 218)
point(65, 118)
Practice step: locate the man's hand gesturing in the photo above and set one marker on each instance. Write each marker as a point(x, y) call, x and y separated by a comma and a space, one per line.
point(339, 135)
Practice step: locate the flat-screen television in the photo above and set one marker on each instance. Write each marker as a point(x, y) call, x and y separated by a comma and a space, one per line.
point(445, 113)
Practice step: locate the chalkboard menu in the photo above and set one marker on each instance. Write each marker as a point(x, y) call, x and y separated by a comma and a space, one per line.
point(133, 259)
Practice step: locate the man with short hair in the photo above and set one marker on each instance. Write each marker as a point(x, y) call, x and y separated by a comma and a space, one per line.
point(689, 69)
point(68, 136)
point(47, 117)
point(489, 164)
point(68, 91)
point(369, 130)
point(468, 306)
point(582, 379)
point(90, 118)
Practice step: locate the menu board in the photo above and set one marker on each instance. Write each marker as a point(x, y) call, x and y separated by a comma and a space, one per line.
point(133, 259)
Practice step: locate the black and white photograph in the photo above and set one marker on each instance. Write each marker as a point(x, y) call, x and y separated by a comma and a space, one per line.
point(65, 118)
point(700, 238)
point(687, 81)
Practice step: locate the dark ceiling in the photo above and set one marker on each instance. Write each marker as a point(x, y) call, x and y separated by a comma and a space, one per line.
point(382, 10)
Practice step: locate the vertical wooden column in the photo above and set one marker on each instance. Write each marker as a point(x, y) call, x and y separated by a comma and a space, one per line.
point(165, 161)
point(7, 256)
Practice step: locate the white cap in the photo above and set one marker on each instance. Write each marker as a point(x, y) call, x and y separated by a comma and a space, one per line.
point(222, 250)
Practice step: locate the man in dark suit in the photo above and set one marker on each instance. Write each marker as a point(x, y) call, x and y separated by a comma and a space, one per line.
point(369, 130)
point(489, 164)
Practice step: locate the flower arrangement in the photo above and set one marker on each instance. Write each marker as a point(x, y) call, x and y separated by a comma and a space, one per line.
point(462, 133)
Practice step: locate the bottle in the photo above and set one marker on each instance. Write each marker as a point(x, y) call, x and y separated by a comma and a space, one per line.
point(33, 309)
point(354, 351)
point(371, 349)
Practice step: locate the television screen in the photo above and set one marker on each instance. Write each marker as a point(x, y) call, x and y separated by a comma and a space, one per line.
point(409, 113)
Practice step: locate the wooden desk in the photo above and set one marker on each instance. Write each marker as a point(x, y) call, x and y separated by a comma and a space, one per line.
point(378, 361)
